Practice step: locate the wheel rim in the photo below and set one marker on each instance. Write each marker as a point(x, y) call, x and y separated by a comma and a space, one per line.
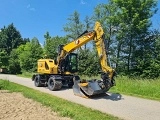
point(36, 81)
point(51, 83)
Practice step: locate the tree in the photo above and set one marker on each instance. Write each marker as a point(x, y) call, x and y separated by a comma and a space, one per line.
point(148, 64)
point(51, 45)
point(74, 27)
point(29, 54)
point(134, 17)
point(10, 37)
point(25, 40)
point(14, 64)
point(88, 63)
point(3, 59)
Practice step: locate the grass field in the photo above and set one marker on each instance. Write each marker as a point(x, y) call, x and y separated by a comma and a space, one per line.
point(61, 106)
point(26, 74)
point(146, 88)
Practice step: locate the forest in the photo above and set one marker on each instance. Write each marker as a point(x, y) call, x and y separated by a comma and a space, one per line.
point(132, 45)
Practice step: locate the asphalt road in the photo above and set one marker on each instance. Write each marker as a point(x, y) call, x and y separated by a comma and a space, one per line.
point(122, 106)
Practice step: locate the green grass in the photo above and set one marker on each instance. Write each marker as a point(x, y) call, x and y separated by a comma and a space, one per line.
point(26, 74)
point(61, 106)
point(146, 88)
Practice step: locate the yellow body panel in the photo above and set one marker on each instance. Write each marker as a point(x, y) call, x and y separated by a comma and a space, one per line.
point(83, 84)
point(47, 66)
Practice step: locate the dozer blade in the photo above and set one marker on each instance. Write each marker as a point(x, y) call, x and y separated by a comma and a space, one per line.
point(87, 89)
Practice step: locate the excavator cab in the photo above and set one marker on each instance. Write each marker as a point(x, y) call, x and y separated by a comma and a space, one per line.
point(70, 63)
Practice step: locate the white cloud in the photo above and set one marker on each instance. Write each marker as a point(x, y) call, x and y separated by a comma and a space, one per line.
point(83, 2)
point(30, 8)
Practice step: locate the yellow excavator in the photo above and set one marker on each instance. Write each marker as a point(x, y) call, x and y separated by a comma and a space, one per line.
point(63, 70)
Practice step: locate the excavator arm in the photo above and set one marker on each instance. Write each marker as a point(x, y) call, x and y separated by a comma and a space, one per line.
point(100, 46)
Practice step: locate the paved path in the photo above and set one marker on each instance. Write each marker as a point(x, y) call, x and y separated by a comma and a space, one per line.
point(122, 106)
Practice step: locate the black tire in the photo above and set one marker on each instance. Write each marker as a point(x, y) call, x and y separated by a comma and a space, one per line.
point(33, 77)
point(70, 85)
point(54, 84)
point(37, 81)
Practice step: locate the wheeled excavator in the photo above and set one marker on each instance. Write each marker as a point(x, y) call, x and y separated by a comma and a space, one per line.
point(62, 71)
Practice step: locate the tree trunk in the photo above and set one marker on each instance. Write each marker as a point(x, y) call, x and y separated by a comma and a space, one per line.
point(130, 52)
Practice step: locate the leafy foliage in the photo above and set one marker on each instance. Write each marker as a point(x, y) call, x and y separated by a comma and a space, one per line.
point(10, 37)
point(148, 62)
point(14, 64)
point(29, 54)
point(134, 19)
point(3, 58)
point(74, 27)
point(88, 63)
point(51, 45)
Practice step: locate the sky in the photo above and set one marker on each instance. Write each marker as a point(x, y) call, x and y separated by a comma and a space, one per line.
point(33, 18)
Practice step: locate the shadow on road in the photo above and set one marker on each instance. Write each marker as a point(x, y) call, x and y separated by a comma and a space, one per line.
point(64, 88)
point(108, 96)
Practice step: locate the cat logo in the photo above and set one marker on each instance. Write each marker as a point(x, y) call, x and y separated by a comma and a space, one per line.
point(77, 42)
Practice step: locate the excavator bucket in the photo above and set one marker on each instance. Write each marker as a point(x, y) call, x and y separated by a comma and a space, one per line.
point(88, 88)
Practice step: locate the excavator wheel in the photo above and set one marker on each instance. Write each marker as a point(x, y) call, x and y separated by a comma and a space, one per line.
point(54, 84)
point(37, 81)
point(70, 85)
